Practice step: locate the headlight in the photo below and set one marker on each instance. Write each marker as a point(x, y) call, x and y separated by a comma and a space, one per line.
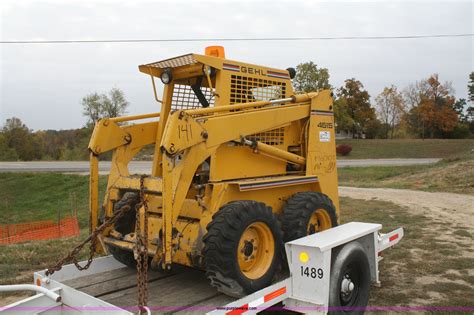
point(166, 76)
point(208, 70)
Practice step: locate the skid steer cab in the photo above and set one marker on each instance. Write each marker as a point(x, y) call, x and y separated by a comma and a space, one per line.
point(241, 165)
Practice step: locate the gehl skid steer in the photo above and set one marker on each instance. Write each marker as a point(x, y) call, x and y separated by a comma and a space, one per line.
point(241, 165)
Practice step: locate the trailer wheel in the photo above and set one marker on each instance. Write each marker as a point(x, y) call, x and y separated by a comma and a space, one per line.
point(350, 280)
point(242, 250)
point(307, 213)
point(125, 225)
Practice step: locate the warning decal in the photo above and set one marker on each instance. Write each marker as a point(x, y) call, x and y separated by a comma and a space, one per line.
point(324, 136)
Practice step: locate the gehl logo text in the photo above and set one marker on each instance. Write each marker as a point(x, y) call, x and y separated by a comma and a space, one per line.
point(250, 70)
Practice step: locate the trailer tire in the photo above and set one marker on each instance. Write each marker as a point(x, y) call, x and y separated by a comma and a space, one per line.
point(125, 225)
point(350, 281)
point(307, 213)
point(242, 248)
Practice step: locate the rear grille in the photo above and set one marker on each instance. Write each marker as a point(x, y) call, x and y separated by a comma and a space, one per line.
point(184, 97)
point(247, 89)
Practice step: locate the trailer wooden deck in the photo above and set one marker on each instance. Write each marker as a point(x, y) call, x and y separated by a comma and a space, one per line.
point(182, 291)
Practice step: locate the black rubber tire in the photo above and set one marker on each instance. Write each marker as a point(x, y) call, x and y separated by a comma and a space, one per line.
point(298, 210)
point(125, 225)
point(351, 260)
point(122, 255)
point(221, 245)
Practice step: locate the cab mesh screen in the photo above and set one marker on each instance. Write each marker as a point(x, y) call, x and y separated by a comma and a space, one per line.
point(246, 89)
point(184, 97)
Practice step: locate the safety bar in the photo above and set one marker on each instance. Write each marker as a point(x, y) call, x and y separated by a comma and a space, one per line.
point(210, 110)
point(31, 287)
point(134, 117)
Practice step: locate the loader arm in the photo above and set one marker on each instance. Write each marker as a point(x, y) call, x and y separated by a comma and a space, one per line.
point(126, 141)
point(190, 137)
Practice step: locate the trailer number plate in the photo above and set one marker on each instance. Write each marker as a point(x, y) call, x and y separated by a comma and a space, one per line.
point(312, 272)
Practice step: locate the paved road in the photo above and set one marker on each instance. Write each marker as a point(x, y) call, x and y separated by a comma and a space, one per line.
point(145, 166)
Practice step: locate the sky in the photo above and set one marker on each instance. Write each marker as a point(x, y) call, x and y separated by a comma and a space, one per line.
point(43, 84)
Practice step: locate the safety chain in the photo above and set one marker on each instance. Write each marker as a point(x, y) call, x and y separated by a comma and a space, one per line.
point(140, 250)
point(92, 238)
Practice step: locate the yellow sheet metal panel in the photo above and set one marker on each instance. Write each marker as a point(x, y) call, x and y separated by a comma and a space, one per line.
point(232, 161)
point(321, 159)
point(132, 183)
point(273, 197)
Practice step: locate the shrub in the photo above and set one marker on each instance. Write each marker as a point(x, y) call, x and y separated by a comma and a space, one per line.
point(343, 149)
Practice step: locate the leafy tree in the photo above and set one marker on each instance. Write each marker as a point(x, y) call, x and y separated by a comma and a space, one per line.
point(470, 87)
point(6, 153)
point(18, 137)
point(310, 78)
point(390, 109)
point(116, 104)
point(434, 114)
point(459, 107)
point(358, 106)
point(96, 106)
point(92, 108)
point(343, 119)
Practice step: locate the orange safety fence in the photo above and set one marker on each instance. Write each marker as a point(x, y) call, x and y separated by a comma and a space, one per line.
point(39, 230)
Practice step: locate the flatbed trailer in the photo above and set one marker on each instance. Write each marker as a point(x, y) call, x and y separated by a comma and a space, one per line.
point(108, 287)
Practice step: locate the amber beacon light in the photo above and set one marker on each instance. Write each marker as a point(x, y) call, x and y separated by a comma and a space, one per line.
point(215, 51)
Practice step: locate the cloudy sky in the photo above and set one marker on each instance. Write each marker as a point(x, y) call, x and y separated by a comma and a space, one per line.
point(43, 83)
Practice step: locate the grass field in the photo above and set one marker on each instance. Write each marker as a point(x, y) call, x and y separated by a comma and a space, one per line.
point(451, 175)
point(39, 196)
point(424, 269)
point(407, 148)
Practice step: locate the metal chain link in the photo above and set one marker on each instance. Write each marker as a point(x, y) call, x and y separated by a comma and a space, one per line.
point(92, 238)
point(140, 250)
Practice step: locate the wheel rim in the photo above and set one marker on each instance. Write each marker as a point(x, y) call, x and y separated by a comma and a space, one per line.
point(319, 221)
point(350, 286)
point(256, 250)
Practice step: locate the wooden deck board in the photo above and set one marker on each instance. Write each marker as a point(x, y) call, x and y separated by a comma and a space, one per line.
point(91, 280)
point(183, 291)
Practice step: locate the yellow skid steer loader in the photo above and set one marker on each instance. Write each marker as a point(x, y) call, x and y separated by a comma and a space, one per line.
point(241, 165)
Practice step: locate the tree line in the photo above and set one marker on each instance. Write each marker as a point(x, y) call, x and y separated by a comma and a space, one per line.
point(18, 142)
point(424, 109)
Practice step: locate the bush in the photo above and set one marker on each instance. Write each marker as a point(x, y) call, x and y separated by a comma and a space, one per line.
point(461, 131)
point(343, 149)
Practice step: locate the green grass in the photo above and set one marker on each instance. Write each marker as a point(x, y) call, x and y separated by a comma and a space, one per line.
point(407, 148)
point(19, 261)
point(26, 197)
point(420, 254)
point(449, 175)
